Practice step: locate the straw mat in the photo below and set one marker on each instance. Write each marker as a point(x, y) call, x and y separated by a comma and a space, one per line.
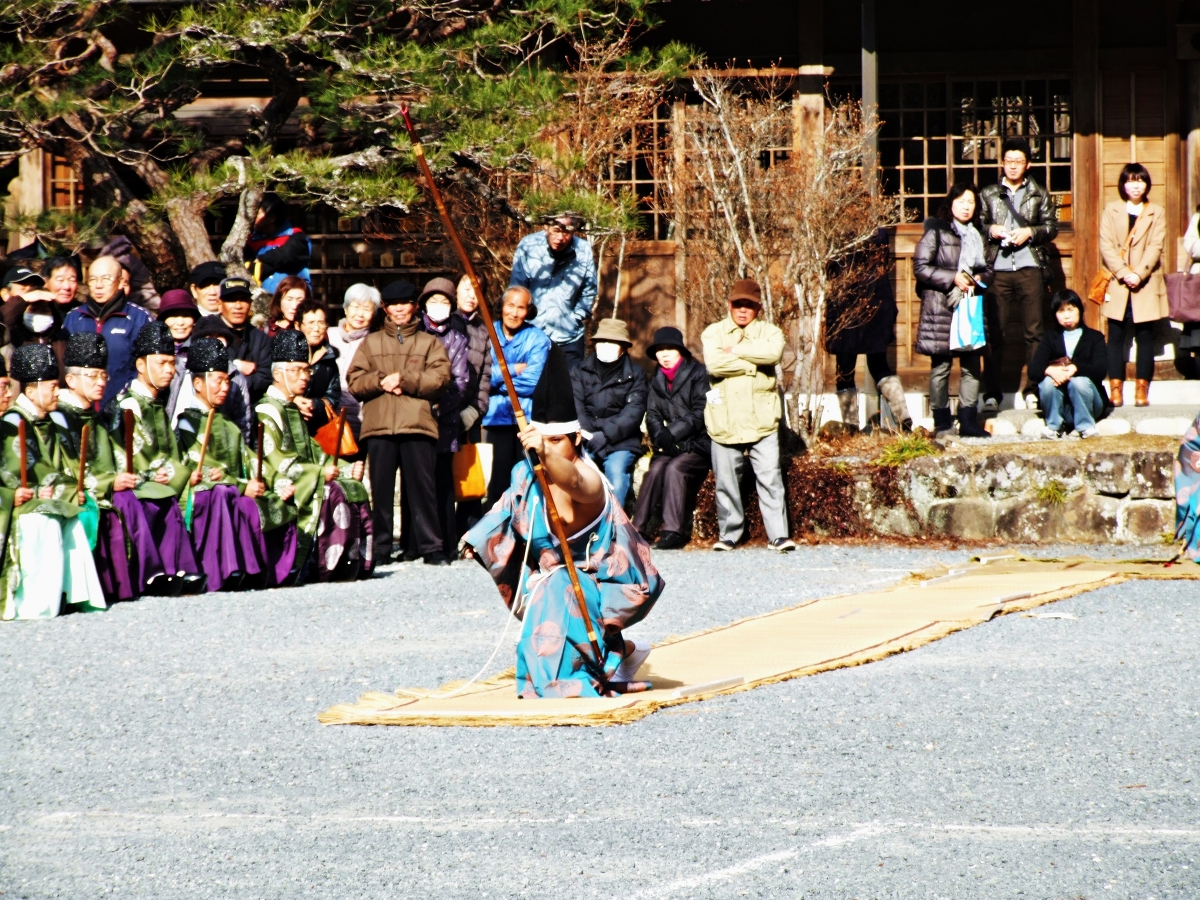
point(812, 637)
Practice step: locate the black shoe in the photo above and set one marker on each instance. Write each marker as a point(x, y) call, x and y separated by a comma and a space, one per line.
point(942, 421)
point(256, 582)
point(194, 584)
point(670, 540)
point(234, 582)
point(437, 558)
point(163, 586)
point(408, 556)
point(968, 423)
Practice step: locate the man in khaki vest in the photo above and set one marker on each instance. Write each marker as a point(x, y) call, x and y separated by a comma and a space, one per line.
point(742, 415)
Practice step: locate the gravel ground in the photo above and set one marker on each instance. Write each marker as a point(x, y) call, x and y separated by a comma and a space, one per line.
point(169, 748)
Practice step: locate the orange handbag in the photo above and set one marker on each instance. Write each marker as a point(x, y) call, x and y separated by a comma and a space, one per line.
point(327, 434)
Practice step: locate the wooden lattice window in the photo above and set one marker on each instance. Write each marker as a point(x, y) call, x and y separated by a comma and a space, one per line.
point(938, 131)
point(642, 168)
point(61, 187)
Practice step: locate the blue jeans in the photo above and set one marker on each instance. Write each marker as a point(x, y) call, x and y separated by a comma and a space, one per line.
point(1081, 394)
point(618, 469)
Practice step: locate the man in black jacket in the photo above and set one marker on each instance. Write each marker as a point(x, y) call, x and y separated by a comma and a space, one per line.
point(682, 453)
point(1069, 367)
point(1019, 223)
point(251, 352)
point(610, 398)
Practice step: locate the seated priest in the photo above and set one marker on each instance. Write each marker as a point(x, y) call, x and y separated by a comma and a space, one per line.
point(47, 557)
point(246, 535)
point(85, 360)
point(165, 563)
point(330, 500)
point(555, 657)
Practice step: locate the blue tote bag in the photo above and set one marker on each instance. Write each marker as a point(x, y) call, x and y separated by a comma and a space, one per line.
point(966, 326)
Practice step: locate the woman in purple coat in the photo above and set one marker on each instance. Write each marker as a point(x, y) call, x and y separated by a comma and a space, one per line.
point(437, 304)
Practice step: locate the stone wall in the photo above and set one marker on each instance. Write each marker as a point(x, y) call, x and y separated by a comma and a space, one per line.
point(1105, 497)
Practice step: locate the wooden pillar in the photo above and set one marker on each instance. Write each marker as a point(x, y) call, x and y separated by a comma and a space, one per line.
point(1176, 195)
point(808, 103)
point(870, 76)
point(679, 160)
point(1086, 168)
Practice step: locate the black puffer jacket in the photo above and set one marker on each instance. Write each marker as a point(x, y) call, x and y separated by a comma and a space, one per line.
point(680, 410)
point(325, 384)
point(610, 400)
point(847, 331)
point(479, 356)
point(935, 263)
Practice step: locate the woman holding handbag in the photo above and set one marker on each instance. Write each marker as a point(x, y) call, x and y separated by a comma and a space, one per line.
point(1188, 345)
point(949, 265)
point(1132, 235)
point(325, 387)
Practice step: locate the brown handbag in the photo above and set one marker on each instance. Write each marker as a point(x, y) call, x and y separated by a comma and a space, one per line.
point(327, 435)
point(1099, 286)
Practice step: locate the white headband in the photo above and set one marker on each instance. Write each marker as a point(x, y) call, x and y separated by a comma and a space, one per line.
point(554, 428)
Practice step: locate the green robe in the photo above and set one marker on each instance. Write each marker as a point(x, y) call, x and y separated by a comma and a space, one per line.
point(154, 447)
point(290, 456)
point(102, 469)
point(48, 464)
point(229, 452)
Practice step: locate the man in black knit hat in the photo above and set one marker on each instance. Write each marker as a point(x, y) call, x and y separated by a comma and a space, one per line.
point(165, 561)
point(46, 555)
point(330, 501)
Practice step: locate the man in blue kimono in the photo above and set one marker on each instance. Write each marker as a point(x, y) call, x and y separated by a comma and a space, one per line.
point(620, 584)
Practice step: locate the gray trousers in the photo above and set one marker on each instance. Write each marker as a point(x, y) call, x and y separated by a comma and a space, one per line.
point(728, 461)
point(939, 380)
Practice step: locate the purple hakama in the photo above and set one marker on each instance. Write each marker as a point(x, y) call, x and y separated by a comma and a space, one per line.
point(344, 546)
point(227, 531)
point(161, 545)
point(112, 561)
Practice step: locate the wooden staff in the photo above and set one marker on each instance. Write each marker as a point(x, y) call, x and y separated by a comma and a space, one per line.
point(259, 451)
point(129, 442)
point(337, 450)
point(23, 453)
point(539, 470)
point(84, 436)
point(204, 442)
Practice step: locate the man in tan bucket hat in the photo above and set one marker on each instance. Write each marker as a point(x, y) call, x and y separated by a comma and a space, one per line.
point(610, 398)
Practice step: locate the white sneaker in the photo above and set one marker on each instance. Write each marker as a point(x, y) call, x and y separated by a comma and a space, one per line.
point(627, 670)
point(990, 405)
point(1090, 432)
point(722, 545)
point(1049, 434)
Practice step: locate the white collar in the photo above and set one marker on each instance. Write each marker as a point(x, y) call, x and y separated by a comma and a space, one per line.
point(277, 394)
point(138, 387)
point(26, 404)
point(1015, 187)
point(69, 398)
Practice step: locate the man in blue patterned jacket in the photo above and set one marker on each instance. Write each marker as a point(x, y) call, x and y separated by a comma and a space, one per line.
point(557, 268)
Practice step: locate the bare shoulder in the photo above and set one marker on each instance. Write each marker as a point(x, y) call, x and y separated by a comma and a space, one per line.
point(591, 482)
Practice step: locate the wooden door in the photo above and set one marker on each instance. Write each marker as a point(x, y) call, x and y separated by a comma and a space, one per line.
point(1133, 128)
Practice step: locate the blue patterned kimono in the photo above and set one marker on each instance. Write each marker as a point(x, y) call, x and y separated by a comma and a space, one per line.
point(620, 584)
point(1187, 492)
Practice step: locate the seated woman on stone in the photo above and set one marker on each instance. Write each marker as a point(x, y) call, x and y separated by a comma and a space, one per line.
point(1069, 367)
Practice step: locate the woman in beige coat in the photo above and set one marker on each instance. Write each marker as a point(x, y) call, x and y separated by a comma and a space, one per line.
point(1137, 294)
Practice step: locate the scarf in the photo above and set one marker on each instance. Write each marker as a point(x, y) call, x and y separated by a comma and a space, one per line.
point(100, 313)
point(355, 335)
point(671, 373)
point(971, 258)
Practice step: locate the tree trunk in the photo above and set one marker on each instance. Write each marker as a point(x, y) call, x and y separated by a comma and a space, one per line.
point(155, 242)
point(187, 221)
point(235, 243)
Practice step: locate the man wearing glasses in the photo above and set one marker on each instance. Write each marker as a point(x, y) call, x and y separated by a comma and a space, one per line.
point(109, 312)
point(557, 268)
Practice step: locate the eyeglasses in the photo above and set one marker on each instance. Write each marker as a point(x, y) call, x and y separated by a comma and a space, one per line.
point(101, 279)
point(94, 374)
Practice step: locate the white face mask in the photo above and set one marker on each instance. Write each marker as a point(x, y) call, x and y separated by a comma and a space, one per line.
point(438, 312)
point(38, 323)
point(607, 352)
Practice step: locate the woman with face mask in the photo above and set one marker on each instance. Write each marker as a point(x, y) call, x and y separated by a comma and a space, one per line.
point(326, 381)
point(32, 317)
point(610, 397)
point(437, 305)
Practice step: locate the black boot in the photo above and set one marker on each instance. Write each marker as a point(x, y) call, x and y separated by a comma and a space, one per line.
point(968, 423)
point(942, 421)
